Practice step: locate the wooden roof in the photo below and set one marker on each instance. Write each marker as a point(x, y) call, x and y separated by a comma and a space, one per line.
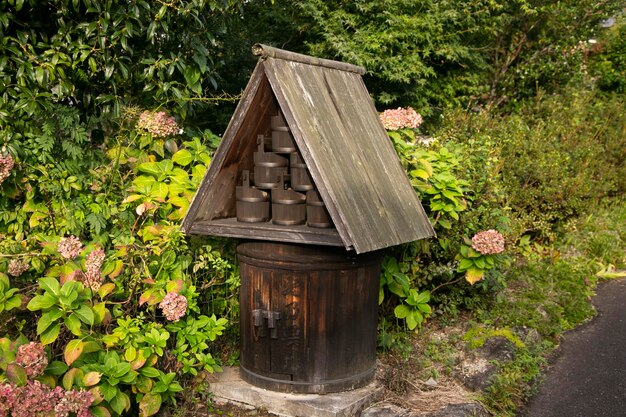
point(337, 130)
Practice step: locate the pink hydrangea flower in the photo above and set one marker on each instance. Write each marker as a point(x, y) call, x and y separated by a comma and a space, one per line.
point(32, 358)
point(74, 402)
point(37, 399)
point(159, 124)
point(488, 242)
point(394, 119)
point(34, 399)
point(174, 306)
point(6, 166)
point(69, 247)
point(17, 267)
point(93, 279)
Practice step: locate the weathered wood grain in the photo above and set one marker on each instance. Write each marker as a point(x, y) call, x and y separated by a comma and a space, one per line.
point(265, 51)
point(325, 339)
point(266, 231)
point(351, 159)
point(215, 198)
point(342, 142)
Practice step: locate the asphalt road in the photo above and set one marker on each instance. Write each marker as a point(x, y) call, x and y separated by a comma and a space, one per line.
point(589, 377)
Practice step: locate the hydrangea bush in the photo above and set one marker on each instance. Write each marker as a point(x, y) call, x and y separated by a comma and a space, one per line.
point(412, 273)
point(111, 309)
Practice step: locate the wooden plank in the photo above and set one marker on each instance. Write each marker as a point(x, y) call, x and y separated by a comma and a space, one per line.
point(392, 194)
point(349, 155)
point(337, 131)
point(215, 197)
point(326, 334)
point(269, 52)
point(288, 350)
point(254, 294)
point(267, 231)
point(303, 130)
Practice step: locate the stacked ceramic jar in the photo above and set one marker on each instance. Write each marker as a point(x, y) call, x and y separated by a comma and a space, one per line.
point(285, 175)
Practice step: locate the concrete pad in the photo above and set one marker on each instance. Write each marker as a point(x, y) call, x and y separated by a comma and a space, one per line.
point(229, 387)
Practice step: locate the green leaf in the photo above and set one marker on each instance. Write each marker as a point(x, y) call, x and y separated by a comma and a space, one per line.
point(92, 346)
point(57, 368)
point(445, 223)
point(4, 282)
point(149, 168)
point(41, 302)
point(159, 191)
point(13, 302)
point(121, 369)
point(50, 285)
point(414, 319)
point(48, 318)
point(73, 350)
point(50, 335)
point(36, 218)
point(149, 372)
point(100, 411)
point(149, 404)
point(420, 173)
point(403, 280)
point(465, 264)
point(99, 310)
point(402, 311)
point(108, 391)
point(425, 308)
point(422, 298)
point(85, 314)
point(71, 377)
point(120, 402)
point(130, 354)
point(183, 157)
point(143, 184)
point(72, 322)
point(192, 75)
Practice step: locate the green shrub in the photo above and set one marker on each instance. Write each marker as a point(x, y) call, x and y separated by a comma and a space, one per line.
point(551, 162)
point(114, 291)
point(608, 58)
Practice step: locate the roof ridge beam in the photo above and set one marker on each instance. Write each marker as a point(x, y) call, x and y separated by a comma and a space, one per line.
point(265, 51)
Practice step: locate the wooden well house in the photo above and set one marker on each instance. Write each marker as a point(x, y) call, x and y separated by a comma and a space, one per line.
point(307, 176)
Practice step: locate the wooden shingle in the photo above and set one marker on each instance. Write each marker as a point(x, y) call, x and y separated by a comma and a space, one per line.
point(341, 139)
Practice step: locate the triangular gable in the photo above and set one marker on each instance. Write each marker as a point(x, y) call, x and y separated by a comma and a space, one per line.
point(338, 132)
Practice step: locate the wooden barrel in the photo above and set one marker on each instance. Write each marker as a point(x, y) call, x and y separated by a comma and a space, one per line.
point(288, 207)
point(268, 167)
point(308, 317)
point(300, 176)
point(282, 141)
point(253, 205)
point(316, 213)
